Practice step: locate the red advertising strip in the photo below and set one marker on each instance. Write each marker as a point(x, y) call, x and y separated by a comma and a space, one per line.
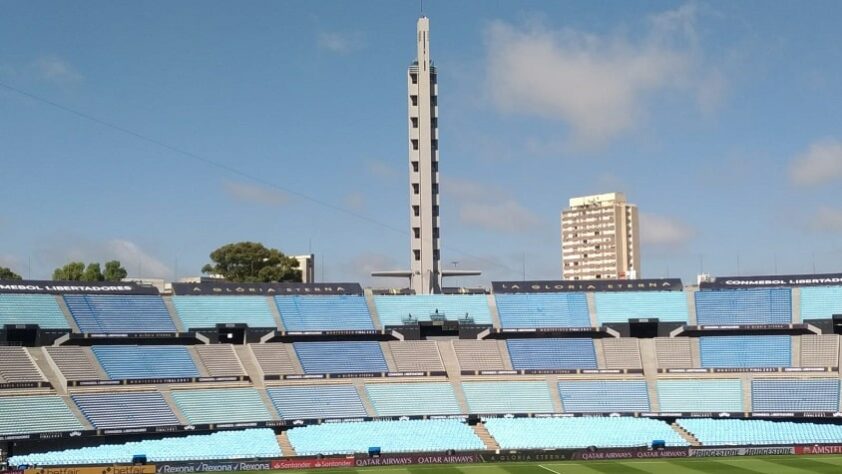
point(819, 449)
point(312, 463)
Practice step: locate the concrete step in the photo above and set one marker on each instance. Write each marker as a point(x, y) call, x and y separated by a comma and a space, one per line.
point(286, 447)
point(686, 435)
point(359, 384)
point(483, 434)
point(76, 411)
point(250, 365)
point(171, 402)
point(48, 369)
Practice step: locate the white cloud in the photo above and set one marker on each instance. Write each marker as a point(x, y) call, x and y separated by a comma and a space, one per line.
point(383, 170)
point(827, 219)
point(598, 85)
point(57, 70)
point(354, 200)
point(819, 164)
point(254, 193)
point(661, 230)
point(135, 259)
point(341, 42)
point(489, 207)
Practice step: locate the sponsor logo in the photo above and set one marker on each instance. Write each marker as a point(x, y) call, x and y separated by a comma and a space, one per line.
point(312, 463)
point(727, 452)
point(211, 466)
point(819, 449)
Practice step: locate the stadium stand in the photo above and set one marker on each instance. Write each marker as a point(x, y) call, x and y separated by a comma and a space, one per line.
point(392, 310)
point(749, 306)
point(208, 311)
point(75, 362)
point(413, 398)
point(17, 366)
point(745, 351)
point(119, 313)
point(223, 405)
point(42, 310)
point(390, 436)
point(759, 432)
point(145, 362)
point(785, 395)
point(820, 350)
point(478, 355)
point(317, 401)
point(674, 352)
point(340, 357)
point(255, 443)
point(125, 410)
point(502, 397)
point(324, 313)
point(548, 433)
point(551, 353)
point(543, 310)
point(619, 307)
point(36, 414)
point(820, 302)
point(412, 356)
point(621, 353)
point(603, 396)
point(700, 395)
point(273, 359)
point(220, 360)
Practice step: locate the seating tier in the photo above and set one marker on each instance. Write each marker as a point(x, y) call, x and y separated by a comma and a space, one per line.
point(119, 313)
point(198, 312)
point(317, 401)
point(324, 313)
point(543, 310)
point(620, 306)
point(552, 353)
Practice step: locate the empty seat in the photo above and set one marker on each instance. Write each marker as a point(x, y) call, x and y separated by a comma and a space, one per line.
point(317, 401)
point(224, 405)
point(36, 414)
point(17, 366)
point(621, 353)
point(745, 351)
point(549, 433)
point(820, 350)
point(208, 311)
point(603, 396)
point(820, 302)
point(700, 395)
point(42, 310)
point(340, 357)
point(74, 362)
point(324, 313)
point(273, 359)
point(119, 313)
point(392, 310)
point(674, 352)
point(414, 398)
point(220, 360)
point(125, 410)
point(552, 353)
point(759, 432)
point(543, 310)
point(478, 355)
point(145, 362)
point(412, 356)
point(749, 306)
point(508, 397)
point(620, 306)
point(795, 395)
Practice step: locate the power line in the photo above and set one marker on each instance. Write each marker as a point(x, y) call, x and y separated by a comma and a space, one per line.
point(224, 167)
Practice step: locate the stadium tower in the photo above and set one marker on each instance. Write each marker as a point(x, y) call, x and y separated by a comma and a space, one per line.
point(425, 236)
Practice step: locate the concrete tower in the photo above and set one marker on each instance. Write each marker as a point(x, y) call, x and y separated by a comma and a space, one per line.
point(424, 167)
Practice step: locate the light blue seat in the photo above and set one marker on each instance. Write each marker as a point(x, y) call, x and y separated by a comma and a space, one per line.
point(125, 410)
point(390, 436)
point(508, 397)
point(392, 310)
point(145, 362)
point(198, 312)
point(620, 306)
point(716, 432)
point(552, 353)
point(549, 433)
point(415, 398)
point(745, 351)
point(820, 302)
point(221, 405)
point(603, 396)
point(749, 306)
point(36, 414)
point(257, 443)
point(340, 357)
point(795, 395)
point(42, 310)
point(700, 395)
point(543, 310)
point(317, 401)
point(119, 313)
point(324, 313)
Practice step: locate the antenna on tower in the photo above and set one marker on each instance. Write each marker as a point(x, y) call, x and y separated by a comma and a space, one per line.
point(422, 6)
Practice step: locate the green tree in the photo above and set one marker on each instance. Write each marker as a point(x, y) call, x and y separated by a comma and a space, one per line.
point(73, 271)
point(7, 274)
point(93, 273)
point(114, 271)
point(245, 262)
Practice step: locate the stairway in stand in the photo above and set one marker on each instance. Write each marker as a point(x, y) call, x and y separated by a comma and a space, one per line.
point(286, 447)
point(483, 434)
point(686, 435)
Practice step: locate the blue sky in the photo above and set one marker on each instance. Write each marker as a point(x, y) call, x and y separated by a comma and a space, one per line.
point(722, 121)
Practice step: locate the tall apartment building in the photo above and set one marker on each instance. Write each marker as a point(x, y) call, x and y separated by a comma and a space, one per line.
point(600, 238)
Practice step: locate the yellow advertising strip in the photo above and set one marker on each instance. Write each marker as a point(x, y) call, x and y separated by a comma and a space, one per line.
point(116, 469)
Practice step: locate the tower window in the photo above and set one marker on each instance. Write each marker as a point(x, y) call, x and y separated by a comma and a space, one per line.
point(415, 166)
point(435, 211)
point(414, 77)
point(416, 188)
point(434, 122)
point(435, 167)
point(416, 210)
point(435, 232)
point(435, 144)
point(414, 122)
point(436, 254)
point(414, 99)
point(434, 100)
point(417, 232)
point(417, 255)
point(414, 144)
